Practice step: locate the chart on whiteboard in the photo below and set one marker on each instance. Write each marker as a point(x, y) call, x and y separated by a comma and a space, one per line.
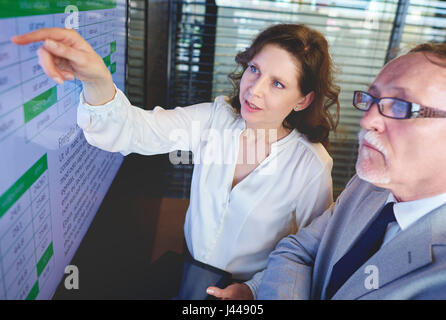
point(52, 181)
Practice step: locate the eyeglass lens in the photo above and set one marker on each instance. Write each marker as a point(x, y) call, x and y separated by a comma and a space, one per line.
point(390, 107)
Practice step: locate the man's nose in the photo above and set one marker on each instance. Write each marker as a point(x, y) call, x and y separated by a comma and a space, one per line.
point(373, 119)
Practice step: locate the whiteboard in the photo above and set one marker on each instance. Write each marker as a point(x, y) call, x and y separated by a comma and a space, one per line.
point(52, 181)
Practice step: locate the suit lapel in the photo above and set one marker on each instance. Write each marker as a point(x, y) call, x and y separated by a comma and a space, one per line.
point(366, 211)
point(408, 251)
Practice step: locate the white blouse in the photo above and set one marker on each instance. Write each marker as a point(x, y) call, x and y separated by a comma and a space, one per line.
point(236, 229)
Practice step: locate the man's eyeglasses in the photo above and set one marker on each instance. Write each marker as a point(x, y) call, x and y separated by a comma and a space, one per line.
point(395, 108)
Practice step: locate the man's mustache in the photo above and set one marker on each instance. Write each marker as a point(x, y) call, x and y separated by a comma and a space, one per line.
point(373, 139)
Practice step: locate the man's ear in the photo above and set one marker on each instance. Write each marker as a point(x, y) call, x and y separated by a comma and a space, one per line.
point(305, 101)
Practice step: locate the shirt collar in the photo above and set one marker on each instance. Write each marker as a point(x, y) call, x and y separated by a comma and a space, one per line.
point(275, 146)
point(406, 213)
point(279, 143)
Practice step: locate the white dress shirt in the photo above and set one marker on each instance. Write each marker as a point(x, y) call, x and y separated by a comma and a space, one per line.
point(407, 213)
point(236, 229)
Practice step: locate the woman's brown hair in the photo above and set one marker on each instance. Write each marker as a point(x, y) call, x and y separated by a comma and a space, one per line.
point(310, 48)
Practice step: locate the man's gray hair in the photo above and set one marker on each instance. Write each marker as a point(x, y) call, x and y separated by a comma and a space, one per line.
point(436, 49)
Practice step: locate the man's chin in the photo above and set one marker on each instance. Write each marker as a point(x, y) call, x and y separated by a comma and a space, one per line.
point(374, 176)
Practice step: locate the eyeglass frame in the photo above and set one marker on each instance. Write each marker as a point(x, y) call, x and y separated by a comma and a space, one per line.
point(414, 110)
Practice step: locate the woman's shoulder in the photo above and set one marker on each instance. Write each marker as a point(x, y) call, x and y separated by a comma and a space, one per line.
point(223, 112)
point(222, 104)
point(315, 152)
point(219, 108)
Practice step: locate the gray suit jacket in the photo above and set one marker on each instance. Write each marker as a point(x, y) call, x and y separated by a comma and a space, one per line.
point(410, 266)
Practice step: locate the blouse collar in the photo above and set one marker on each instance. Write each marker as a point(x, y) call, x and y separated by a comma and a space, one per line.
point(278, 145)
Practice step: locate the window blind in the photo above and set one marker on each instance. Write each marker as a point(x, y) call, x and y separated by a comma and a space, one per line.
point(425, 22)
point(136, 51)
point(360, 34)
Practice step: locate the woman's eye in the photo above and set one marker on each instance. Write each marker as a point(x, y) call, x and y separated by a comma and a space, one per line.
point(278, 84)
point(253, 68)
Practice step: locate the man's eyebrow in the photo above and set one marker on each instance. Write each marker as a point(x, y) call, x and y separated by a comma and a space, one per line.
point(401, 91)
point(373, 88)
point(397, 92)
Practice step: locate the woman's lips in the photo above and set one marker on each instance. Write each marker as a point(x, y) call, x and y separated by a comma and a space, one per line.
point(248, 108)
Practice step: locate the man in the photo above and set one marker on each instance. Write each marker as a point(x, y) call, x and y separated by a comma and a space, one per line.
point(385, 237)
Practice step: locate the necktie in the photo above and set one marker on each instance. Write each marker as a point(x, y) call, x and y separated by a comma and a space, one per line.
point(361, 251)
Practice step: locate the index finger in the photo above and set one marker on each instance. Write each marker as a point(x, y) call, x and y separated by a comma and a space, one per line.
point(57, 34)
point(40, 35)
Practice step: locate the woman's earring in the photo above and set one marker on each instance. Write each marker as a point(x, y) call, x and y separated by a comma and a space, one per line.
point(297, 109)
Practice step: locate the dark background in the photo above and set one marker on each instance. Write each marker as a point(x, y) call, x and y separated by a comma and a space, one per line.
point(115, 254)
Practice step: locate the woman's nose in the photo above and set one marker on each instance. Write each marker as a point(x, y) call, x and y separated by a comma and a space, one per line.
point(257, 87)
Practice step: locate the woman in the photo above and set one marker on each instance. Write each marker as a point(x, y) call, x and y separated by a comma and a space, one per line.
point(265, 176)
